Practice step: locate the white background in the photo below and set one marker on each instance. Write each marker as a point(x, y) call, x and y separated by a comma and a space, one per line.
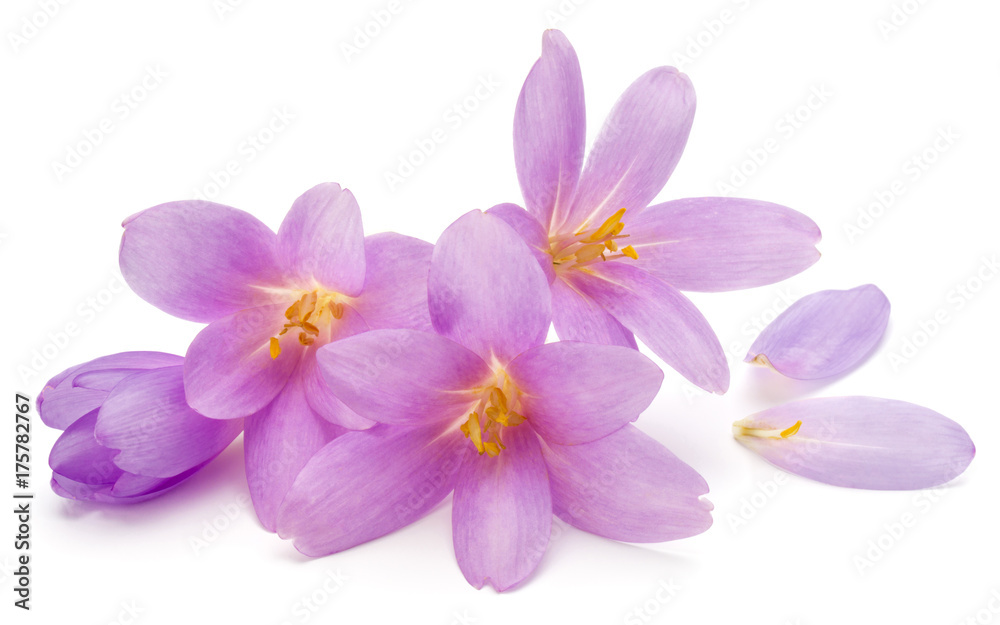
point(778, 553)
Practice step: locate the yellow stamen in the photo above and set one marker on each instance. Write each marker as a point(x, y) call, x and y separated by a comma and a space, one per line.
point(792, 431)
point(629, 251)
point(275, 348)
point(589, 252)
point(608, 227)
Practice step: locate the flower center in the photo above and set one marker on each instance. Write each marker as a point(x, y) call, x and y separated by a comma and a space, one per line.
point(587, 247)
point(492, 414)
point(306, 314)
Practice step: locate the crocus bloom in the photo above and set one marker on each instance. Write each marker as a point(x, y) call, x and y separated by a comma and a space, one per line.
point(823, 334)
point(860, 442)
point(519, 429)
point(616, 265)
point(271, 301)
point(129, 435)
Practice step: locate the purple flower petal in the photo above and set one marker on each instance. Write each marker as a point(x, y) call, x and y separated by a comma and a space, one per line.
point(663, 319)
point(636, 150)
point(322, 400)
point(577, 392)
point(363, 485)
point(626, 486)
point(321, 240)
point(78, 456)
point(64, 406)
point(278, 443)
point(722, 244)
point(824, 333)
point(549, 129)
point(532, 232)
point(131, 488)
point(158, 435)
point(228, 369)
point(403, 377)
point(576, 317)
point(502, 512)
point(198, 260)
point(859, 442)
point(395, 294)
point(485, 289)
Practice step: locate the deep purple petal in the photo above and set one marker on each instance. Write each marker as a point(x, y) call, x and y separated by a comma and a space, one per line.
point(78, 456)
point(722, 244)
point(158, 435)
point(395, 293)
point(131, 488)
point(636, 150)
point(662, 318)
point(321, 240)
point(532, 232)
point(549, 129)
point(403, 377)
point(860, 442)
point(198, 260)
point(626, 486)
point(578, 392)
point(576, 317)
point(485, 289)
point(502, 512)
point(367, 484)
point(824, 333)
point(228, 369)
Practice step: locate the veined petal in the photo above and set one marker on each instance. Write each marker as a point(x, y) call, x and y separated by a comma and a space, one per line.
point(859, 442)
point(549, 129)
point(403, 377)
point(723, 244)
point(485, 289)
point(321, 239)
point(824, 333)
point(322, 400)
point(198, 260)
point(576, 317)
point(502, 512)
point(395, 293)
point(77, 455)
point(636, 150)
point(228, 369)
point(577, 392)
point(663, 319)
point(363, 485)
point(131, 488)
point(147, 419)
point(626, 486)
point(531, 231)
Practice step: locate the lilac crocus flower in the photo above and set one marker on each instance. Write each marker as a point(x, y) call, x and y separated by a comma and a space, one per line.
point(616, 265)
point(271, 301)
point(517, 428)
point(129, 435)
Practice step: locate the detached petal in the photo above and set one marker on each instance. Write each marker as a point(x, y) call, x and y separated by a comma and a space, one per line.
point(395, 293)
point(663, 319)
point(824, 333)
point(531, 231)
point(860, 442)
point(502, 512)
point(363, 485)
point(723, 244)
point(198, 260)
point(626, 486)
point(636, 150)
point(576, 317)
point(577, 392)
point(485, 289)
point(403, 377)
point(321, 239)
point(549, 129)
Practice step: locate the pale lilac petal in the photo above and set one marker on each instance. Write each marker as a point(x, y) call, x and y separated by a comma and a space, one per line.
point(321, 240)
point(131, 488)
point(627, 486)
point(395, 293)
point(63, 406)
point(824, 333)
point(531, 231)
point(278, 442)
point(363, 485)
point(578, 392)
point(636, 150)
point(485, 289)
point(502, 512)
point(549, 130)
point(198, 260)
point(228, 369)
point(322, 400)
point(860, 442)
point(662, 318)
point(576, 317)
point(158, 435)
point(722, 244)
point(77, 455)
point(403, 377)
